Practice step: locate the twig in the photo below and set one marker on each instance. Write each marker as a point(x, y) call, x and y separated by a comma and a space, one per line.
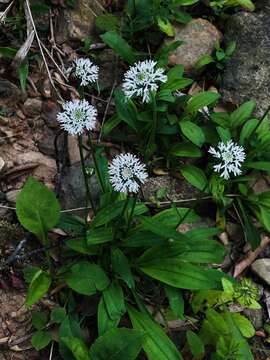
point(40, 45)
point(106, 110)
point(5, 12)
point(51, 351)
point(251, 256)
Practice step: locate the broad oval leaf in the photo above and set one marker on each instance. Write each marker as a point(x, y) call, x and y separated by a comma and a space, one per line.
point(194, 176)
point(37, 208)
point(120, 46)
point(185, 150)
point(118, 344)
point(193, 132)
point(86, 278)
point(201, 100)
point(39, 285)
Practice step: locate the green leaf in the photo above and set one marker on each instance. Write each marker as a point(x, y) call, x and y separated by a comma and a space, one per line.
point(165, 26)
point(39, 286)
point(105, 323)
point(243, 113)
point(244, 352)
point(258, 165)
point(58, 314)
point(79, 245)
point(247, 130)
point(69, 328)
point(246, 4)
point(179, 274)
point(172, 216)
point(41, 339)
point(110, 124)
point(185, 150)
point(224, 134)
point(157, 344)
point(176, 84)
point(114, 301)
point(196, 345)
point(77, 347)
point(204, 60)
point(217, 321)
point(99, 236)
point(86, 278)
point(118, 344)
point(39, 319)
point(120, 46)
point(126, 110)
point(8, 52)
point(251, 232)
point(244, 325)
point(161, 229)
point(176, 301)
point(107, 22)
point(193, 132)
point(23, 72)
point(108, 213)
point(194, 176)
point(197, 102)
point(37, 208)
point(29, 272)
point(121, 266)
point(182, 17)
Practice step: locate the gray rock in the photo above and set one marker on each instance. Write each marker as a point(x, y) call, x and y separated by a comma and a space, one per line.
point(199, 36)
point(255, 316)
point(32, 106)
point(78, 23)
point(247, 74)
point(73, 193)
point(261, 267)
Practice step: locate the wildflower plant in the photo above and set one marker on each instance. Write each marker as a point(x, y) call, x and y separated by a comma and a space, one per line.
point(77, 117)
point(143, 78)
point(86, 71)
point(230, 156)
point(127, 173)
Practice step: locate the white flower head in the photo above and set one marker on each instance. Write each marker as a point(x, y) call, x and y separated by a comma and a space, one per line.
point(86, 71)
point(77, 116)
point(205, 111)
point(231, 157)
point(179, 94)
point(142, 78)
point(127, 173)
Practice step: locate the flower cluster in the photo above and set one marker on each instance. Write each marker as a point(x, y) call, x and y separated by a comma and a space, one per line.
point(142, 78)
point(127, 173)
point(77, 116)
point(231, 157)
point(86, 71)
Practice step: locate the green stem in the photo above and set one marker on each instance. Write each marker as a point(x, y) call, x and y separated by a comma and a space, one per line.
point(131, 212)
point(153, 130)
point(88, 193)
point(95, 162)
point(120, 218)
point(260, 121)
point(46, 242)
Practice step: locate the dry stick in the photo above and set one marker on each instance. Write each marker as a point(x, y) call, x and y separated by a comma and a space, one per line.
point(251, 256)
point(5, 12)
point(40, 45)
point(55, 63)
point(106, 110)
point(148, 203)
